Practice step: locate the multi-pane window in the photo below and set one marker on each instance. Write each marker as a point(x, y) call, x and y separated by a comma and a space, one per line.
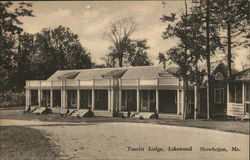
point(235, 92)
point(219, 95)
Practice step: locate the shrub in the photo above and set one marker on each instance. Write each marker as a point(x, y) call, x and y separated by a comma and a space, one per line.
point(13, 99)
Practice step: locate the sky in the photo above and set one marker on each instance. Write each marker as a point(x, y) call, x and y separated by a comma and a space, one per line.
point(90, 20)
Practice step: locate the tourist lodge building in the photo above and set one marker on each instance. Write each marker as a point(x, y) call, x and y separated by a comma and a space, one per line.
point(141, 90)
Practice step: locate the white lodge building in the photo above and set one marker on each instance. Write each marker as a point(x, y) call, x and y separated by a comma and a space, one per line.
point(143, 89)
point(134, 89)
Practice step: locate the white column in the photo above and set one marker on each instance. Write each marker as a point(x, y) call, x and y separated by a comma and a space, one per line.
point(78, 99)
point(109, 100)
point(112, 100)
point(178, 101)
point(120, 99)
point(28, 98)
point(93, 99)
point(195, 101)
point(138, 100)
point(157, 100)
point(39, 97)
point(63, 99)
point(244, 98)
point(51, 98)
point(182, 100)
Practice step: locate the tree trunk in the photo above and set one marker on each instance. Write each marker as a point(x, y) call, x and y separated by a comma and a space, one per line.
point(208, 60)
point(229, 53)
point(185, 99)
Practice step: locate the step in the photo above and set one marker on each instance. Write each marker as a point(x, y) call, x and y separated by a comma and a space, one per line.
point(78, 113)
point(170, 116)
point(103, 113)
point(145, 115)
point(39, 110)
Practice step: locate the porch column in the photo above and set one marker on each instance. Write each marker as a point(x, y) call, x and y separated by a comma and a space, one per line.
point(244, 98)
point(157, 100)
point(39, 97)
point(195, 101)
point(109, 100)
point(78, 99)
point(178, 101)
point(182, 100)
point(120, 99)
point(93, 99)
point(138, 100)
point(51, 98)
point(63, 99)
point(28, 97)
point(112, 100)
point(227, 93)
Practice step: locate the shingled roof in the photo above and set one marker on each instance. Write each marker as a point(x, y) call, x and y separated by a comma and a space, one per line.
point(124, 73)
point(243, 75)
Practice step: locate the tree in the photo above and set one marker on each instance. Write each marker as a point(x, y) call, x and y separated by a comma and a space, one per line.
point(233, 17)
point(135, 54)
point(119, 33)
point(162, 59)
point(192, 47)
point(9, 29)
point(60, 47)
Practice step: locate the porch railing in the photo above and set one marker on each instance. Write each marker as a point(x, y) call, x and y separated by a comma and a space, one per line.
point(106, 82)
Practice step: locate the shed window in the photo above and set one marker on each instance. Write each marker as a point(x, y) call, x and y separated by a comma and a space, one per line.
point(219, 95)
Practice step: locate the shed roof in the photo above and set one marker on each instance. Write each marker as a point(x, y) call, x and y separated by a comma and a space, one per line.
point(243, 75)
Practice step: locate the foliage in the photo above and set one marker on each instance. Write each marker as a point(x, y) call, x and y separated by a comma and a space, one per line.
point(135, 54)
point(9, 31)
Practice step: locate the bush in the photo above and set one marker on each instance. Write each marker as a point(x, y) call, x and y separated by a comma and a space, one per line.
point(13, 99)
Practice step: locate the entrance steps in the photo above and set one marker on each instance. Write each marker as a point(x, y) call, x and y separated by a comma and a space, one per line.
point(146, 115)
point(78, 113)
point(170, 116)
point(39, 110)
point(103, 113)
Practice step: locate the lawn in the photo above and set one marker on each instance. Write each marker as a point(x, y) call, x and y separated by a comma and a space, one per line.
point(224, 125)
point(25, 143)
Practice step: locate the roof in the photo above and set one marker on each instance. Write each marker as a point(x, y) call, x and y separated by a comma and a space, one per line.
point(123, 72)
point(243, 75)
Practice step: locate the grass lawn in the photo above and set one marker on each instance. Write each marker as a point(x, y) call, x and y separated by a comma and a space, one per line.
point(224, 125)
point(25, 143)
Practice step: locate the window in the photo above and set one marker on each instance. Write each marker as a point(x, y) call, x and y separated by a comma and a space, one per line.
point(219, 95)
point(235, 92)
point(218, 76)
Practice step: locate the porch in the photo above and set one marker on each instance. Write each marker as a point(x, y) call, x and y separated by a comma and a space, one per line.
point(238, 99)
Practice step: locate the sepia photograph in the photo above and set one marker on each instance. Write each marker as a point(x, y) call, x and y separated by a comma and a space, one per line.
point(125, 80)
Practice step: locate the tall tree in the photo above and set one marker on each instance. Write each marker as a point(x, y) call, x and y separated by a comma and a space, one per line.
point(233, 16)
point(60, 47)
point(10, 27)
point(193, 40)
point(119, 34)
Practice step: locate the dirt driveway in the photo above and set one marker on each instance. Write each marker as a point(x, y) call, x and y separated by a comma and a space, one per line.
point(132, 141)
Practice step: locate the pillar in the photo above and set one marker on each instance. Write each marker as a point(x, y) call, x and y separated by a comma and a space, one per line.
point(195, 101)
point(112, 100)
point(109, 100)
point(39, 97)
point(78, 99)
point(63, 99)
point(178, 101)
point(28, 98)
point(138, 100)
point(182, 101)
point(93, 99)
point(51, 98)
point(120, 99)
point(244, 98)
point(157, 100)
